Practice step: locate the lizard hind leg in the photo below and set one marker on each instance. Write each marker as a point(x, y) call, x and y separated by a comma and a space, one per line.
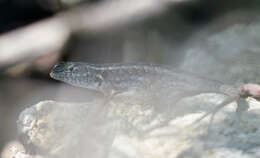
point(242, 107)
point(214, 111)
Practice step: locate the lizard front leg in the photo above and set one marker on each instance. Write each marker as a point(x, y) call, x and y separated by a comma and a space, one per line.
point(109, 95)
point(242, 107)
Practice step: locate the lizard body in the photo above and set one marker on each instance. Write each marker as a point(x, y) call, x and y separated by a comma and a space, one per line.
point(112, 78)
point(122, 77)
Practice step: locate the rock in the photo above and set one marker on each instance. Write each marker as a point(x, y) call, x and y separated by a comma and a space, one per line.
point(63, 129)
point(232, 53)
point(125, 129)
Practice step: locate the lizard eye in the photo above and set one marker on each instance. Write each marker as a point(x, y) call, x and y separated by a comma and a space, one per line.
point(60, 67)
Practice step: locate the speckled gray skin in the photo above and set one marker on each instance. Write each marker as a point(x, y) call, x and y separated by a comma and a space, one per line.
point(122, 77)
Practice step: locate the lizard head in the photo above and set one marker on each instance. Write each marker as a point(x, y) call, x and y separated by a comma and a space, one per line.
point(77, 74)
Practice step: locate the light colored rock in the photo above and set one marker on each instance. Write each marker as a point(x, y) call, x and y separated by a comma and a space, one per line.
point(230, 55)
point(61, 129)
point(123, 129)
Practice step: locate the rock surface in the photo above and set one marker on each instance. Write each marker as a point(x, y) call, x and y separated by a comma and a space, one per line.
point(126, 129)
point(232, 54)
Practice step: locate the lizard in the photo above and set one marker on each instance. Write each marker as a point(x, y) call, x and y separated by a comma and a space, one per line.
point(114, 78)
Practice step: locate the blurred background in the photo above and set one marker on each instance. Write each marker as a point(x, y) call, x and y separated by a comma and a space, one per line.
point(214, 38)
